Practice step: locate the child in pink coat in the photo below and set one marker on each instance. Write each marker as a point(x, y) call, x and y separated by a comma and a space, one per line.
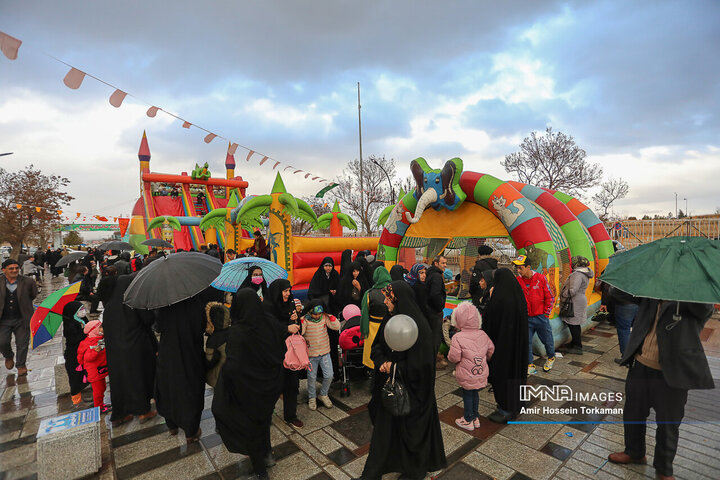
point(470, 349)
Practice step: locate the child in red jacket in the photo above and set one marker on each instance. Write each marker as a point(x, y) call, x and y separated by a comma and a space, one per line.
point(92, 357)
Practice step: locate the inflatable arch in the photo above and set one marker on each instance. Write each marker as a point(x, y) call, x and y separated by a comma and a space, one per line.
point(549, 227)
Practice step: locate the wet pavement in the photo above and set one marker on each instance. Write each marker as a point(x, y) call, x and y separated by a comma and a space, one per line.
point(333, 443)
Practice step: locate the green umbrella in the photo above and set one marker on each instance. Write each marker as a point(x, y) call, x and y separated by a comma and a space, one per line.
point(684, 269)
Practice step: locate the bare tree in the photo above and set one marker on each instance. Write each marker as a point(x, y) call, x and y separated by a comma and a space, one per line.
point(552, 161)
point(376, 190)
point(319, 206)
point(40, 198)
point(610, 190)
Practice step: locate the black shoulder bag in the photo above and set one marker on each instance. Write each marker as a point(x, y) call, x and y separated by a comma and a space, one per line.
point(395, 397)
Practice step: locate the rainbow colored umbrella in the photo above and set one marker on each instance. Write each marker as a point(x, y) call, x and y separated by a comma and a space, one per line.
point(48, 316)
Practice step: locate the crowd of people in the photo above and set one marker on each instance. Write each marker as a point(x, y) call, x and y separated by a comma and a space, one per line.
point(237, 343)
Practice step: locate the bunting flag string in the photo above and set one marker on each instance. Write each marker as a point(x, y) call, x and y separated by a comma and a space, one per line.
point(74, 78)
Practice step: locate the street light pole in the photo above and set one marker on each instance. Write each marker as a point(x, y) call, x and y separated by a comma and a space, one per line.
point(392, 190)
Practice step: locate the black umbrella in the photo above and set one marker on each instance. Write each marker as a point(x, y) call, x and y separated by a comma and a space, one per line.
point(157, 242)
point(172, 279)
point(116, 245)
point(70, 257)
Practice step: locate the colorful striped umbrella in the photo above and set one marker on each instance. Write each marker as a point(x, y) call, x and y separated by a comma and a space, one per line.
point(48, 316)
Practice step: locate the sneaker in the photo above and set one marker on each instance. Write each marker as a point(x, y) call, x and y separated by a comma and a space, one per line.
point(549, 364)
point(325, 401)
point(462, 423)
point(531, 369)
point(476, 423)
point(312, 404)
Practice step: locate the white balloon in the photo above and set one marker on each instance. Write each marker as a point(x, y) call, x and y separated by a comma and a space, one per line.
point(401, 332)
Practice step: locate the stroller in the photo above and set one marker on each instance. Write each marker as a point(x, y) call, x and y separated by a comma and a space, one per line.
point(350, 348)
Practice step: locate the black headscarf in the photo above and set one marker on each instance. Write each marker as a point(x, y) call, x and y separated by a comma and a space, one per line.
point(505, 322)
point(397, 272)
point(345, 261)
point(321, 283)
point(274, 304)
point(247, 283)
point(345, 288)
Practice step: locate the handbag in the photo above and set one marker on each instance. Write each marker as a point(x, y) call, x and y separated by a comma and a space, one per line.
point(567, 308)
point(395, 397)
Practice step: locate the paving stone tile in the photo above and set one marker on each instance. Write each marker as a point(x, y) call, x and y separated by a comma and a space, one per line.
point(323, 441)
point(533, 435)
point(192, 466)
point(357, 428)
point(556, 451)
point(519, 457)
point(488, 466)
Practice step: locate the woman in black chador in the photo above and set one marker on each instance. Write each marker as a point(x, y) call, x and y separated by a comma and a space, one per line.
point(250, 381)
point(281, 305)
point(505, 322)
point(180, 374)
point(411, 444)
point(131, 349)
point(74, 318)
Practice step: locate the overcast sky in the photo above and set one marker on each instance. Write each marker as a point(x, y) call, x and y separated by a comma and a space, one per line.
point(635, 83)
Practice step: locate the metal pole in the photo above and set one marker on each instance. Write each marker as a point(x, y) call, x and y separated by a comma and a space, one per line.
point(362, 187)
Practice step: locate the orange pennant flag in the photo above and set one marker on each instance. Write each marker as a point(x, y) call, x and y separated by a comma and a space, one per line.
point(123, 224)
point(186, 124)
point(9, 45)
point(250, 154)
point(117, 98)
point(74, 78)
point(152, 111)
point(210, 137)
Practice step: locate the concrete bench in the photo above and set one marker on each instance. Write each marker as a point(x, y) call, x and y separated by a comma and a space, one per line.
point(62, 383)
point(68, 446)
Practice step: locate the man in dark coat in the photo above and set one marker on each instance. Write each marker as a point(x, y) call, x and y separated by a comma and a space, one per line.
point(666, 359)
point(16, 295)
point(436, 297)
point(131, 347)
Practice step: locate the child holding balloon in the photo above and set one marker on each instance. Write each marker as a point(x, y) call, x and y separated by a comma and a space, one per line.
point(470, 349)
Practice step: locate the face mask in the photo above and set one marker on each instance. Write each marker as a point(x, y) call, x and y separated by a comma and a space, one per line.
point(257, 280)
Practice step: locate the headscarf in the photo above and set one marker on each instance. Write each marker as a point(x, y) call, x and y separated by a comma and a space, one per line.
point(579, 261)
point(274, 304)
point(247, 283)
point(414, 274)
point(254, 348)
point(381, 277)
point(321, 283)
point(397, 272)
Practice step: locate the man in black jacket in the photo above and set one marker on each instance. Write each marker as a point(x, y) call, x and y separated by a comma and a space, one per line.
point(666, 360)
point(436, 301)
point(16, 309)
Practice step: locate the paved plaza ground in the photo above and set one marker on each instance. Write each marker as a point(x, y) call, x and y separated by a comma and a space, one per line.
point(334, 442)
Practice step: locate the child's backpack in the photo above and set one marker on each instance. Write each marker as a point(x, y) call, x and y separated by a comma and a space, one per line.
point(296, 357)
